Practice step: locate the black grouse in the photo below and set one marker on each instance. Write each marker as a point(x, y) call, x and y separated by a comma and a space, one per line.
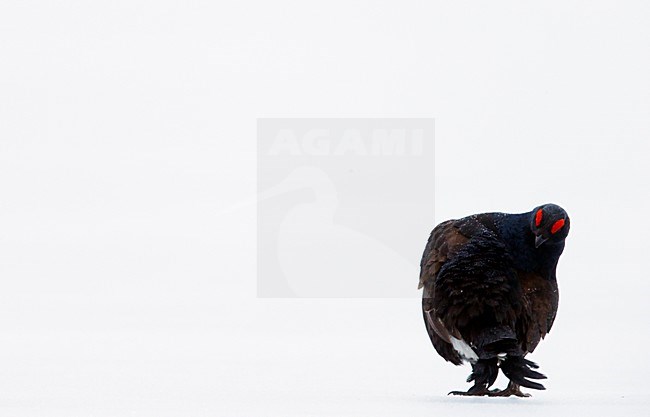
point(490, 293)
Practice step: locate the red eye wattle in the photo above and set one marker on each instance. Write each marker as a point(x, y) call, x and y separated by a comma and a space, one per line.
point(538, 217)
point(557, 226)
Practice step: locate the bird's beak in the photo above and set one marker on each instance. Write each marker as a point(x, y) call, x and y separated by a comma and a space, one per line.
point(539, 240)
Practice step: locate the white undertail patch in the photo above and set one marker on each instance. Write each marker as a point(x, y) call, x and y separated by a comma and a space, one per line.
point(463, 349)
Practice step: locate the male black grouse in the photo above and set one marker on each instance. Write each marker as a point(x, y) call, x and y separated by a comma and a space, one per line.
point(490, 292)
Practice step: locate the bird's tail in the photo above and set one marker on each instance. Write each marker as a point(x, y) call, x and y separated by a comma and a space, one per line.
point(492, 341)
point(517, 369)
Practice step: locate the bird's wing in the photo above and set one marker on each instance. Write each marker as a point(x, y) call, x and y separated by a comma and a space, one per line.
point(541, 299)
point(471, 293)
point(477, 292)
point(444, 242)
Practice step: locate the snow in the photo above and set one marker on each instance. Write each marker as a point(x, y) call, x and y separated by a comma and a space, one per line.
point(69, 356)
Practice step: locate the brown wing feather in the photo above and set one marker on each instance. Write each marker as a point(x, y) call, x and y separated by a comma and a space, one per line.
point(444, 241)
point(540, 307)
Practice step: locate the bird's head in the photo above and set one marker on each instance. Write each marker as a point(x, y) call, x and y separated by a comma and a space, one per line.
point(549, 223)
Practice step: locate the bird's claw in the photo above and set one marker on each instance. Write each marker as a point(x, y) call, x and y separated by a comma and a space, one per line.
point(511, 390)
point(475, 393)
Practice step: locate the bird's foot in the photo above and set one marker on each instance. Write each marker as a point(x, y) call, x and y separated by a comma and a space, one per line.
point(509, 391)
point(512, 389)
point(489, 393)
point(475, 392)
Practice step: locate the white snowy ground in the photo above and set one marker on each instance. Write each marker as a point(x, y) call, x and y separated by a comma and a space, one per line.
point(205, 355)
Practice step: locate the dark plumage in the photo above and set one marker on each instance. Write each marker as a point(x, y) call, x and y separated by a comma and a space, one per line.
point(490, 292)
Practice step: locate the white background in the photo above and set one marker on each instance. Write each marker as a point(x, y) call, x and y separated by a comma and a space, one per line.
point(127, 158)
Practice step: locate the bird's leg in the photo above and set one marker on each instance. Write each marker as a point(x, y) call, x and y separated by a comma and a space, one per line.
point(512, 389)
